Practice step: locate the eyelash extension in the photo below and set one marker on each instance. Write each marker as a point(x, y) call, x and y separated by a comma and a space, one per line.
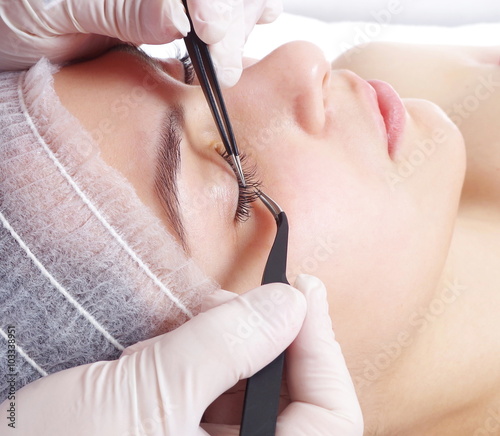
point(188, 68)
point(246, 194)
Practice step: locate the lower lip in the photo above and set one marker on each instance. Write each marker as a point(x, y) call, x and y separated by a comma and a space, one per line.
point(393, 111)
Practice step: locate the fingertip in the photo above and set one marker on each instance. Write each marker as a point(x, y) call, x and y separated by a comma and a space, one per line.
point(181, 23)
point(311, 285)
point(318, 321)
point(228, 61)
point(167, 21)
point(283, 297)
point(211, 20)
point(273, 10)
point(282, 307)
point(210, 33)
point(228, 77)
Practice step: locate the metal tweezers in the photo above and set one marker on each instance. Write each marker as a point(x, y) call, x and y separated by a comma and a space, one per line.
point(205, 71)
point(260, 409)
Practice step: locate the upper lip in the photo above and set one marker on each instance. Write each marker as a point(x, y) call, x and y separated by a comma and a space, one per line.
point(372, 99)
point(361, 88)
point(368, 96)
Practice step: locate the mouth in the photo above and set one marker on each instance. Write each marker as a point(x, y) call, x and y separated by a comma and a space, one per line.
point(393, 112)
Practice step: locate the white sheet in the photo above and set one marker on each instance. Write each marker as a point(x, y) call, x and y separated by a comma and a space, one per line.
point(426, 12)
point(336, 37)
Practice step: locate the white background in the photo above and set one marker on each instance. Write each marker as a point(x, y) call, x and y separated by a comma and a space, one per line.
point(428, 12)
point(337, 25)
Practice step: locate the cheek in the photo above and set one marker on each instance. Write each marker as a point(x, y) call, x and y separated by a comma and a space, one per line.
point(207, 194)
point(372, 249)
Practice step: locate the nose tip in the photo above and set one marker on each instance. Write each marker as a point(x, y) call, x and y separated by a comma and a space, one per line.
point(306, 81)
point(287, 87)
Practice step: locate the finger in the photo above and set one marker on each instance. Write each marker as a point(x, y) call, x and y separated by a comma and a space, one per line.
point(228, 408)
point(225, 26)
point(319, 382)
point(217, 348)
point(212, 19)
point(221, 24)
point(272, 10)
point(139, 346)
point(139, 22)
point(228, 53)
point(316, 348)
point(217, 298)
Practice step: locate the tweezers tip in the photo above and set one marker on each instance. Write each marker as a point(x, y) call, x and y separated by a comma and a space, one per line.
point(273, 207)
point(239, 169)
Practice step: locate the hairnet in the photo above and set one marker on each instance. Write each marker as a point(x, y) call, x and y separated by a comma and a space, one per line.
point(85, 268)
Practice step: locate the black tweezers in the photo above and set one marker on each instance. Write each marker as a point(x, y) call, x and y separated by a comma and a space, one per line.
point(205, 71)
point(262, 394)
point(260, 410)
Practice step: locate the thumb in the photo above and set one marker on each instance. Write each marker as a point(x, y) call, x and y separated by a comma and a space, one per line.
point(139, 22)
point(230, 342)
point(220, 296)
point(215, 299)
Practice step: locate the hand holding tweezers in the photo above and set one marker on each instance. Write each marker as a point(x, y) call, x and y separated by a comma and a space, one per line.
point(205, 71)
point(260, 409)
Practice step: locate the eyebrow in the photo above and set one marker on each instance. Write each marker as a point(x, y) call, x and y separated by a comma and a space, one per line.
point(168, 159)
point(168, 156)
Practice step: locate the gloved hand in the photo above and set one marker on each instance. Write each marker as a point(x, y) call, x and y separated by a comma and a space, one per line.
point(323, 400)
point(237, 18)
point(163, 386)
point(321, 397)
point(70, 29)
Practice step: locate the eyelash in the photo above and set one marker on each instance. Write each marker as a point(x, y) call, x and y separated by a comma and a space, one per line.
point(188, 68)
point(246, 194)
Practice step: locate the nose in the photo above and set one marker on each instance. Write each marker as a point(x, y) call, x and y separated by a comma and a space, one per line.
point(292, 80)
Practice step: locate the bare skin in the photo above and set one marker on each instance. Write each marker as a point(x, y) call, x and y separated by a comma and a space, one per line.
point(465, 83)
point(410, 262)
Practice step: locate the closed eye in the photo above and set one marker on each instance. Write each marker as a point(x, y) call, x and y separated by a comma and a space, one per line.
point(246, 194)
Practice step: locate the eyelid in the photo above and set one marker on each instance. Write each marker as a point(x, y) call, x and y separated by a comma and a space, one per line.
point(174, 68)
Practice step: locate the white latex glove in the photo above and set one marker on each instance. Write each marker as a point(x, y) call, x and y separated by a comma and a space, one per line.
point(321, 398)
point(63, 30)
point(163, 386)
point(236, 20)
point(322, 395)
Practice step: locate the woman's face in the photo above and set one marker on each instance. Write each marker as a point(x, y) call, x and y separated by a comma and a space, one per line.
point(374, 226)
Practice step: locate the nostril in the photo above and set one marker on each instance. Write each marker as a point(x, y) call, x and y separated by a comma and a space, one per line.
point(326, 83)
point(326, 78)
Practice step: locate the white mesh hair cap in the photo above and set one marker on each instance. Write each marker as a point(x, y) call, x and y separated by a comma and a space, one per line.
point(85, 268)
